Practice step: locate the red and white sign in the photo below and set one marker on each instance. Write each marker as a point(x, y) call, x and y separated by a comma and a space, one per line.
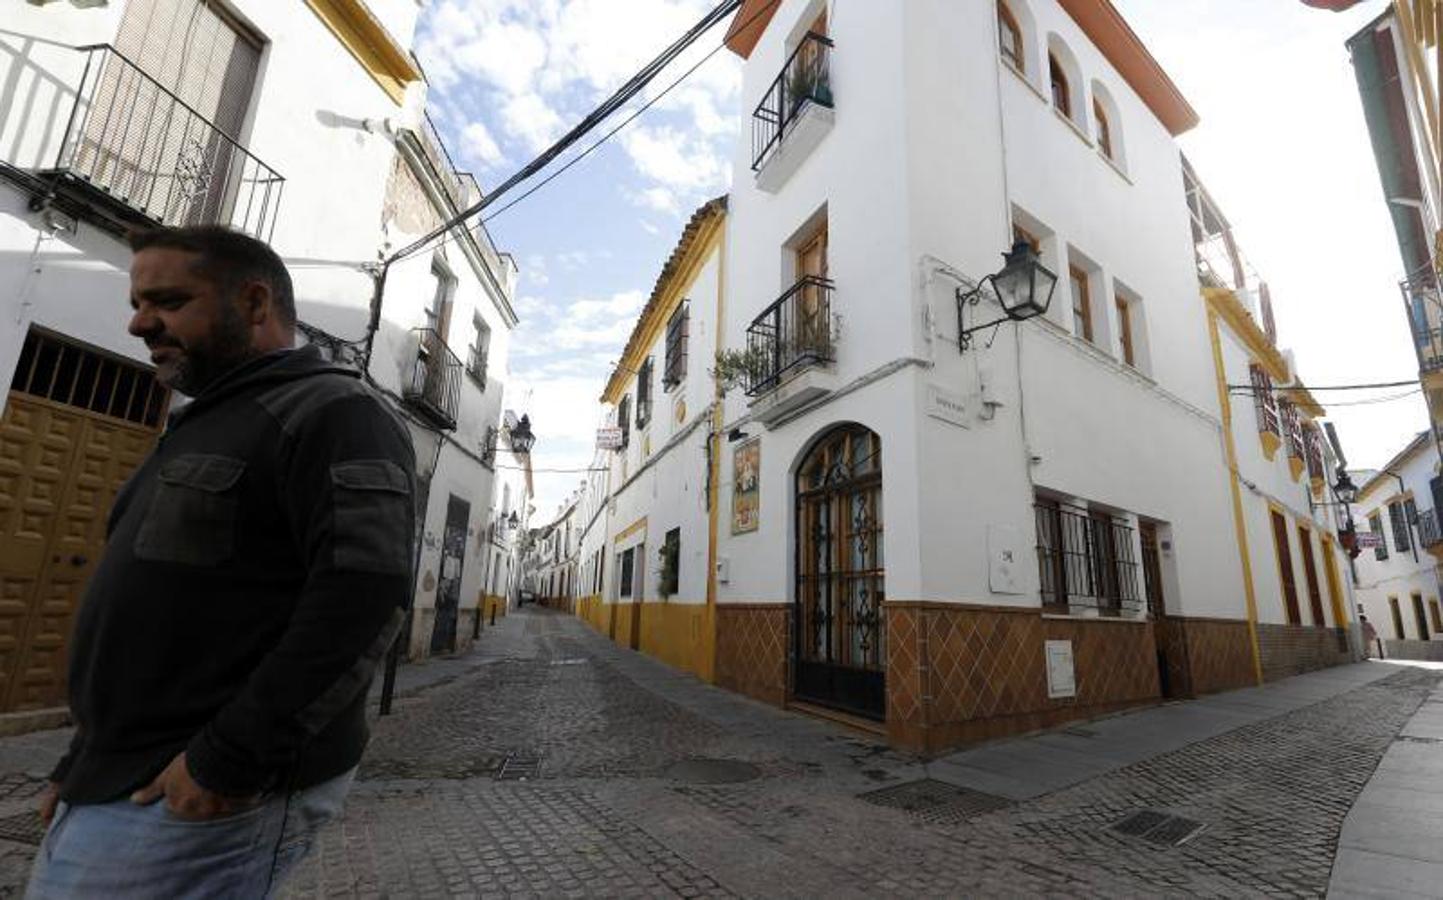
point(1367, 540)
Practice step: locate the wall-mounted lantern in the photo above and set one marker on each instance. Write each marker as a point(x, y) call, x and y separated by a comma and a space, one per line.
point(1024, 289)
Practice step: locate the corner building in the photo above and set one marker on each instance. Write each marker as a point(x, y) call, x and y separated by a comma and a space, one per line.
point(956, 544)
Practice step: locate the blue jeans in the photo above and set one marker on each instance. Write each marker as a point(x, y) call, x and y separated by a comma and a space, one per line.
point(124, 850)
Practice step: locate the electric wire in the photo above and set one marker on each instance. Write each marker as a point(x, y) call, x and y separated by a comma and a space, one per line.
point(1329, 387)
point(602, 112)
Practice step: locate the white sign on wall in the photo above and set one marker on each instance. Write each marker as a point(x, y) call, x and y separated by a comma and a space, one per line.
point(946, 406)
point(1061, 674)
point(608, 438)
point(1367, 540)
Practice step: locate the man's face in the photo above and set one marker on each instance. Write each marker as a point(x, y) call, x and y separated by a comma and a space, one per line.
point(194, 331)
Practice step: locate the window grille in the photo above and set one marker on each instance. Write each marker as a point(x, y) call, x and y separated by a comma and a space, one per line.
point(643, 394)
point(1375, 525)
point(1264, 401)
point(670, 581)
point(1292, 428)
point(1085, 559)
point(66, 373)
point(1402, 540)
point(1313, 442)
point(677, 329)
point(623, 420)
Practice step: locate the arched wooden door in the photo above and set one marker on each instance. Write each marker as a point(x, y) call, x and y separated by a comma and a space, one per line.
point(840, 640)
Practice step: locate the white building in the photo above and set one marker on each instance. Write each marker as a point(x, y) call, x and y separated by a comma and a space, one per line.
point(915, 519)
point(141, 112)
point(1398, 586)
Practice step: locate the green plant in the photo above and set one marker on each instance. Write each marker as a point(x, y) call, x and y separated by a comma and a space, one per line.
point(736, 367)
point(670, 564)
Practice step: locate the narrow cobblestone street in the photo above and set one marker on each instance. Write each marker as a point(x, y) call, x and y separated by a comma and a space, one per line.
point(551, 763)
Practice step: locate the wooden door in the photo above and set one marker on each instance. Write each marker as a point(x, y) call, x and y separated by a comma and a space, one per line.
point(811, 327)
point(60, 468)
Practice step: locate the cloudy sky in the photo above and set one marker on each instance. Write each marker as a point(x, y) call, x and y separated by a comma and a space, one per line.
point(1281, 146)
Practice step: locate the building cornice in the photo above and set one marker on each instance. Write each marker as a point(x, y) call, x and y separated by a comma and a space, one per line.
point(368, 41)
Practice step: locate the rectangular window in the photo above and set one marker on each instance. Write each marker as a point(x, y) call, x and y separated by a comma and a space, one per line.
point(1124, 329)
point(1085, 558)
point(1264, 401)
point(1375, 525)
point(1104, 130)
point(1010, 37)
point(1081, 303)
point(1437, 616)
point(643, 394)
point(623, 420)
point(476, 354)
point(625, 568)
point(1397, 618)
point(671, 563)
point(438, 314)
point(1022, 235)
point(1285, 569)
point(1418, 618)
point(1310, 573)
point(1402, 541)
point(676, 340)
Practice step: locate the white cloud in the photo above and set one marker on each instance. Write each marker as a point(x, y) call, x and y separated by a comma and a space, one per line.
point(625, 304)
point(478, 144)
point(673, 158)
point(529, 118)
point(659, 199)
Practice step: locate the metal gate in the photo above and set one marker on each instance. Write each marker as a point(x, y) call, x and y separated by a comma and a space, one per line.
point(839, 647)
point(448, 588)
point(77, 423)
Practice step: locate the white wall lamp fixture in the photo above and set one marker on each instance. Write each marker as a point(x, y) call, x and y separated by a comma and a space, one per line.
point(1023, 288)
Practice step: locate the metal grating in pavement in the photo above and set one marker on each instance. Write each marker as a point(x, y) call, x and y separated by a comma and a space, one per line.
point(25, 828)
point(519, 767)
point(935, 801)
point(1159, 828)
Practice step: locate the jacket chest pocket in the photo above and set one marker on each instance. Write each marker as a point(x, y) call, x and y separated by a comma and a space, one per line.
point(192, 515)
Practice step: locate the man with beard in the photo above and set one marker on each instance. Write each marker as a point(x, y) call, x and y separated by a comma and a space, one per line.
point(257, 566)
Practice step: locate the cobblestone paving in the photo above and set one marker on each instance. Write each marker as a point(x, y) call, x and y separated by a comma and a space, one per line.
point(605, 813)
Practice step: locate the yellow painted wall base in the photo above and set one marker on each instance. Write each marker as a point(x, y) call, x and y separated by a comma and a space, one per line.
point(682, 635)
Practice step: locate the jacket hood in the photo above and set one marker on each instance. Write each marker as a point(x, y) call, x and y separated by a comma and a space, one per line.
point(272, 368)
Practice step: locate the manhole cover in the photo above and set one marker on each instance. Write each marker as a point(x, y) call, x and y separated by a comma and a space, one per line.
point(936, 801)
point(1159, 828)
point(713, 771)
point(25, 828)
point(519, 767)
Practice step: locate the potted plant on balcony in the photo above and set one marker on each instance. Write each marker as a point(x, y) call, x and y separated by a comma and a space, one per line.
point(742, 367)
point(809, 80)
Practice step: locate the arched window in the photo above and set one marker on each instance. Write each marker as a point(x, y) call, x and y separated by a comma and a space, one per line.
point(1061, 90)
point(1010, 37)
point(1104, 129)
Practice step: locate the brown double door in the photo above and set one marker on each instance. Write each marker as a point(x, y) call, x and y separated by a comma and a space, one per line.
point(76, 424)
point(59, 471)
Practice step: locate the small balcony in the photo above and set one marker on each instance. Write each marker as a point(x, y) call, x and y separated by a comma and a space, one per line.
point(795, 113)
point(1421, 299)
point(137, 154)
point(434, 389)
point(476, 367)
point(792, 334)
point(1430, 532)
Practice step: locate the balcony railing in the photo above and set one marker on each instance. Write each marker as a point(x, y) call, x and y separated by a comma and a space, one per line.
point(1430, 534)
point(435, 386)
point(1425, 320)
point(138, 145)
point(794, 332)
point(805, 78)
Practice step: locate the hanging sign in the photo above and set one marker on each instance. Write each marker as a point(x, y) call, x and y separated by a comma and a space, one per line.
point(608, 438)
point(1368, 540)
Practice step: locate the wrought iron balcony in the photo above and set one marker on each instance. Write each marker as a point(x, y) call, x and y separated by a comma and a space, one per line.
point(805, 78)
point(791, 334)
point(476, 366)
point(144, 153)
point(1430, 533)
point(1422, 302)
point(434, 389)
point(1085, 559)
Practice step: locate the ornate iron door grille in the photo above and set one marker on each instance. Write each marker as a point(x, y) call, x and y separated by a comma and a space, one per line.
point(840, 634)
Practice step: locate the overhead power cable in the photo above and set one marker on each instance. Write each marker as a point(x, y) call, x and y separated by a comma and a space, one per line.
point(601, 113)
point(1330, 387)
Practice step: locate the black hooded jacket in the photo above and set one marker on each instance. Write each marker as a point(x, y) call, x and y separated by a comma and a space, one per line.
point(257, 567)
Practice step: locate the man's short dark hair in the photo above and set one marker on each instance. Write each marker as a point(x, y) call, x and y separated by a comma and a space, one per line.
point(228, 259)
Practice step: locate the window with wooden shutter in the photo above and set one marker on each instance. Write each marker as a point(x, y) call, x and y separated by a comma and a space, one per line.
point(643, 394)
point(677, 329)
point(1401, 539)
point(623, 420)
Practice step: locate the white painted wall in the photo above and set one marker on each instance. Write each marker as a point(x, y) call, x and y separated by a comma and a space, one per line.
point(1406, 572)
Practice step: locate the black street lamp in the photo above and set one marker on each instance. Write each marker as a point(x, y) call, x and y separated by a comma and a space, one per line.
point(1024, 289)
point(521, 436)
